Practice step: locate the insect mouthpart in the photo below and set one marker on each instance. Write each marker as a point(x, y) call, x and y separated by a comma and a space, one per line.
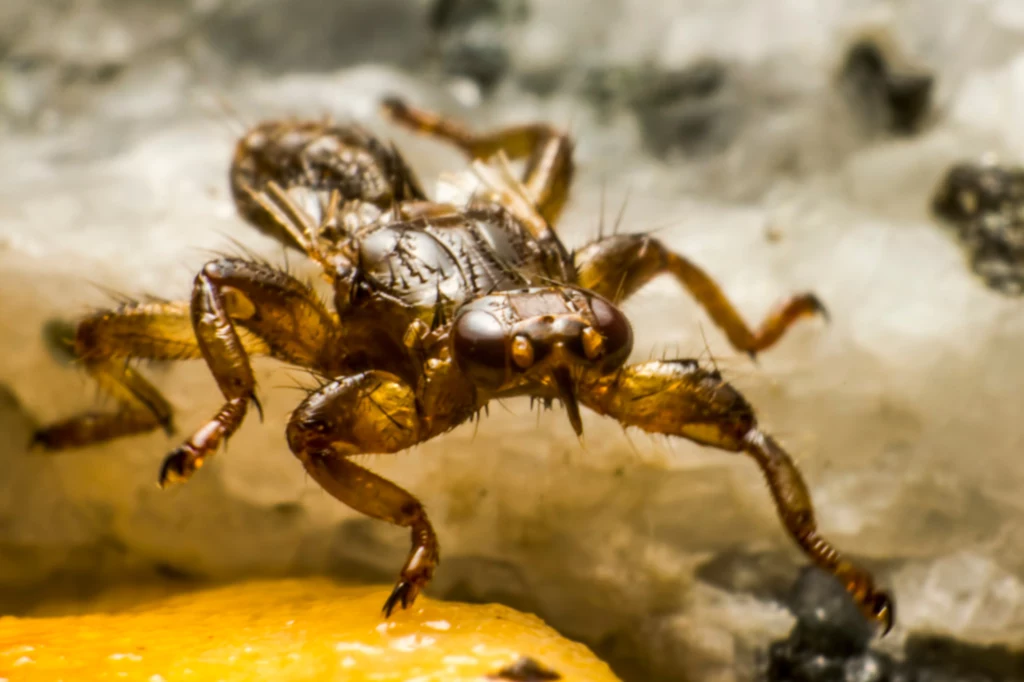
point(541, 338)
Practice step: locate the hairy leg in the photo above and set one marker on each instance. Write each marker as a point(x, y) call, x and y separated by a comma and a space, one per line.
point(618, 266)
point(368, 413)
point(103, 344)
point(548, 152)
point(230, 297)
point(678, 398)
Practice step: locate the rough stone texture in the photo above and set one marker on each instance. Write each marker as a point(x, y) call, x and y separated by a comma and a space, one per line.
point(984, 203)
point(830, 642)
point(904, 413)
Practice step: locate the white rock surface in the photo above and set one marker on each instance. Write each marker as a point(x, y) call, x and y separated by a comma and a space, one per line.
point(904, 413)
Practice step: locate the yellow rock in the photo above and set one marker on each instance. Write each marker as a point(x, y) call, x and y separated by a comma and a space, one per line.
point(310, 629)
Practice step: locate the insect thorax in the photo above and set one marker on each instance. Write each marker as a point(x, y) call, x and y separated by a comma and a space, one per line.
point(444, 261)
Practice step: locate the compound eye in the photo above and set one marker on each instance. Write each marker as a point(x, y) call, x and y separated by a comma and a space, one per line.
point(479, 346)
point(593, 343)
point(612, 329)
point(522, 352)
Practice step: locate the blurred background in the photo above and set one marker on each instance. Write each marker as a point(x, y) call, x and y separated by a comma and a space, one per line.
point(784, 145)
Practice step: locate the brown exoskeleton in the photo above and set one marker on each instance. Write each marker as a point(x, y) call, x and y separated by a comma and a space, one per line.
point(440, 307)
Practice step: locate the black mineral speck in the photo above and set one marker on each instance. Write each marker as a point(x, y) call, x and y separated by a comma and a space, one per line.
point(473, 38)
point(828, 621)
point(830, 640)
point(453, 14)
point(314, 35)
point(886, 97)
point(765, 575)
point(943, 658)
point(526, 669)
point(478, 54)
point(831, 643)
point(693, 110)
point(984, 204)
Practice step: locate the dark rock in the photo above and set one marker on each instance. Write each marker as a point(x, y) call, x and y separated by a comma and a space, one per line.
point(479, 55)
point(623, 650)
point(765, 575)
point(480, 580)
point(886, 97)
point(319, 35)
point(984, 203)
point(473, 38)
point(526, 669)
point(453, 14)
point(695, 110)
point(868, 667)
point(830, 644)
point(962, 660)
point(828, 621)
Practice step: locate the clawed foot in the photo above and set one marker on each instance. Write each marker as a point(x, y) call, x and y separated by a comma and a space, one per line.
point(44, 439)
point(404, 593)
point(184, 460)
point(876, 605)
point(816, 306)
point(881, 609)
point(418, 571)
point(179, 466)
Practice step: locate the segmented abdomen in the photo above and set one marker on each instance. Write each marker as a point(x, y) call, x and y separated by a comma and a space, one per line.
point(311, 159)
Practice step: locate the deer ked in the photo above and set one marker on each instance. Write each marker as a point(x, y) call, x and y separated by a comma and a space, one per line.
point(439, 307)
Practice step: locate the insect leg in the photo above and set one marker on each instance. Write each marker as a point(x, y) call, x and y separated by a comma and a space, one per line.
point(103, 344)
point(548, 151)
point(369, 413)
point(679, 398)
point(618, 266)
point(230, 296)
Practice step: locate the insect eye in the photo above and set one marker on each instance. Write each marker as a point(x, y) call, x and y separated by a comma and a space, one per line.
point(611, 337)
point(593, 343)
point(479, 347)
point(522, 352)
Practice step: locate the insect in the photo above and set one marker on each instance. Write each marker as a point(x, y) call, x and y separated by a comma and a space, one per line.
point(439, 307)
